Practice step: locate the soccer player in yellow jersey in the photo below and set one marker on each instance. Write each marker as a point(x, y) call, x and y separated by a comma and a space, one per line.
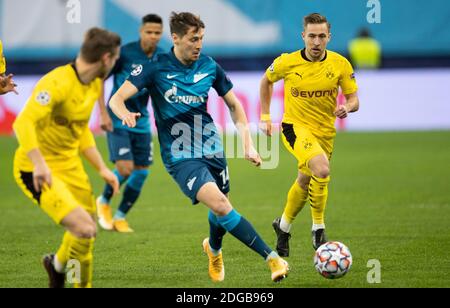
point(6, 82)
point(312, 79)
point(53, 131)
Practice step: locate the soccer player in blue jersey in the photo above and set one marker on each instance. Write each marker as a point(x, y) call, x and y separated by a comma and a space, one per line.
point(130, 148)
point(179, 82)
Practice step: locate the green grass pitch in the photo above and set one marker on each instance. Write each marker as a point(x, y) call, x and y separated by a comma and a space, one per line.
point(389, 200)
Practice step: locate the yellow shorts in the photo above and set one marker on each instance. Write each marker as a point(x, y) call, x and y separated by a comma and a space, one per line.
point(304, 145)
point(70, 189)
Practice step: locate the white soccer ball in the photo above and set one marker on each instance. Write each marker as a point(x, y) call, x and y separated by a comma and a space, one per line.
point(333, 260)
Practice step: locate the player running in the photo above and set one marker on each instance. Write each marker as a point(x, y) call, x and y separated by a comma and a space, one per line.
point(129, 148)
point(53, 131)
point(312, 77)
point(179, 82)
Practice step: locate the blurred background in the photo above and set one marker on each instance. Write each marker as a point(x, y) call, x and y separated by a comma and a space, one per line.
point(401, 49)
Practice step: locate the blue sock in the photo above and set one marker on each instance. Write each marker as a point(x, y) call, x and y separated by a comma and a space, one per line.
point(132, 192)
point(216, 232)
point(241, 229)
point(108, 191)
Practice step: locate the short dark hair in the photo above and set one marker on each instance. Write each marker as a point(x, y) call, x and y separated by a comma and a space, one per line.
point(181, 22)
point(315, 18)
point(98, 42)
point(152, 18)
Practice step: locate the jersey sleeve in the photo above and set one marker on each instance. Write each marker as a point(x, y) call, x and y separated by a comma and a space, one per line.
point(86, 139)
point(47, 94)
point(222, 84)
point(278, 69)
point(347, 81)
point(142, 76)
point(2, 60)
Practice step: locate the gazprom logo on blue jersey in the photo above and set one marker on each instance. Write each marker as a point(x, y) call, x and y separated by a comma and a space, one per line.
point(171, 97)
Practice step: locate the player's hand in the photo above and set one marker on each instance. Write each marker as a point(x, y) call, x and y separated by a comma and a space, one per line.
point(111, 179)
point(105, 122)
point(42, 177)
point(266, 127)
point(341, 112)
point(253, 156)
point(130, 119)
point(7, 85)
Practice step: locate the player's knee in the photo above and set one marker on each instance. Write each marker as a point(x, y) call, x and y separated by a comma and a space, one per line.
point(87, 230)
point(323, 171)
point(125, 170)
point(222, 206)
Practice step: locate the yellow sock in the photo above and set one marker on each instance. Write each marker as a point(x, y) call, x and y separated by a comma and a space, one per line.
point(63, 252)
point(296, 200)
point(80, 250)
point(318, 195)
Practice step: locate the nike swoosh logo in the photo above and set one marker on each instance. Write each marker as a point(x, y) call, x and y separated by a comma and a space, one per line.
point(123, 151)
point(171, 76)
point(191, 182)
point(199, 77)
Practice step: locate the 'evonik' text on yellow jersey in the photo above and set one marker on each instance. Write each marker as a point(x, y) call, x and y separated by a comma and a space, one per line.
point(311, 88)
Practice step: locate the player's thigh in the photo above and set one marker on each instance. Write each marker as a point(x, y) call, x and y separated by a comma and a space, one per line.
point(142, 149)
point(77, 182)
point(119, 145)
point(56, 201)
point(80, 223)
point(327, 144)
point(85, 198)
point(301, 143)
point(191, 176)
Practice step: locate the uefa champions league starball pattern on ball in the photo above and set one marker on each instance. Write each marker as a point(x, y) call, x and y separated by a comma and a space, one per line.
point(333, 260)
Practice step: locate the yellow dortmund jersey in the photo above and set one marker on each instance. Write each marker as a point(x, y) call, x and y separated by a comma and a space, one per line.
point(311, 88)
point(2, 60)
point(55, 120)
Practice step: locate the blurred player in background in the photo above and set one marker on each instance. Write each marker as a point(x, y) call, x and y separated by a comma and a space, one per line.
point(365, 51)
point(53, 131)
point(130, 148)
point(6, 82)
point(312, 77)
point(179, 82)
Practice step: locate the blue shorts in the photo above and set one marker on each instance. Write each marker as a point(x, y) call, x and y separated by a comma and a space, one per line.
point(126, 145)
point(193, 174)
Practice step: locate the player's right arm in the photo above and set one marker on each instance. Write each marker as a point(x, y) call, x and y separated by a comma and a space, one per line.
point(140, 78)
point(117, 104)
point(46, 95)
point(274, 73)
point(265, 93)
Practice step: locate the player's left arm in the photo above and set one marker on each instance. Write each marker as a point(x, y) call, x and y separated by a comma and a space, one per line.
point(351, 105)
point(89, 150)
point(347, 82)
point(240, 120)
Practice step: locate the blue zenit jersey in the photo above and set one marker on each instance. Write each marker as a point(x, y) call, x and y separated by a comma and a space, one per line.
point(132, 56)
point(179, 95)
